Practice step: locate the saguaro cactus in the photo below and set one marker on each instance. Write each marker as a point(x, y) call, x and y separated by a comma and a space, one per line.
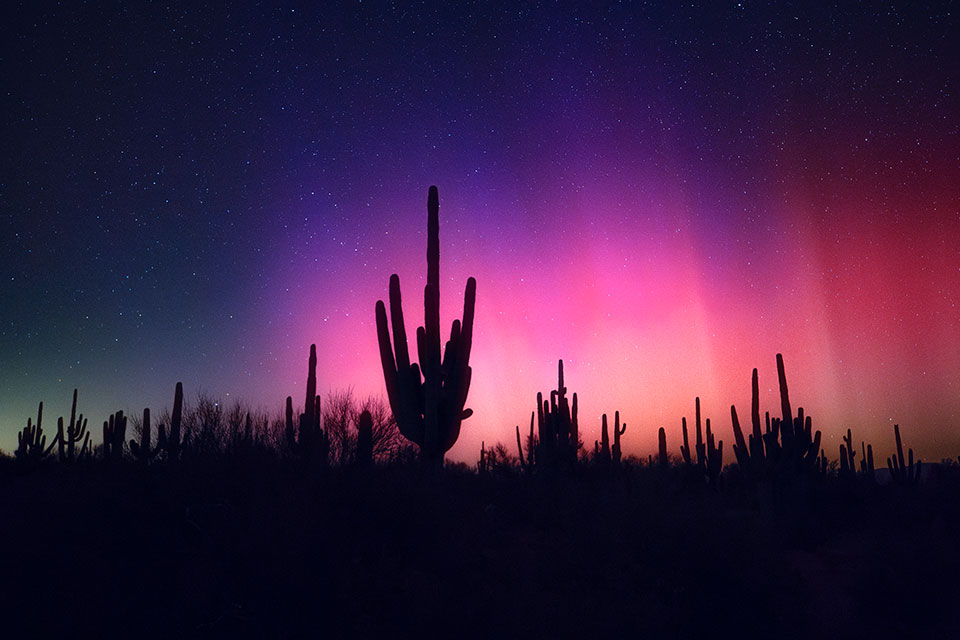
point(601, 449)
point(618, 430)
point(428, 399)
point(848, 469)
point(531, 460)
point(114, 436)
point(310, 441)
point(701, 449)
point(866, 462)
point(906, 474)
point(365, 439)
point(170, 442)
point(662, 457)
point(482, 463)
point(75, 432)
point(31, 443)
point(142, 451)
point(789, 446)
point(714, 458)
point(559, 433)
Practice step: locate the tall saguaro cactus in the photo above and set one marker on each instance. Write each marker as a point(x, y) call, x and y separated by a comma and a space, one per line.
point(428, 399)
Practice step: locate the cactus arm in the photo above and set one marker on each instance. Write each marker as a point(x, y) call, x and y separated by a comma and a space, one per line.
point(390, 374)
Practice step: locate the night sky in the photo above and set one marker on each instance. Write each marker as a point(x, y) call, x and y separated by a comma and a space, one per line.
point(664, 197)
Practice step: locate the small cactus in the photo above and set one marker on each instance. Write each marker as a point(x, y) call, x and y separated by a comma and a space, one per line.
point(848, 467)
point(142, 451)
point(662, 455)
point(866, 462)
point(170, 442)
point(714, 457)
point(482, 463)
point(618, 430)
point(365, 439)
point(602, 449)
point(528, 464)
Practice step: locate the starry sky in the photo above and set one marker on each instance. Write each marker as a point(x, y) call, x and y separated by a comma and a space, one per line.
point(663, 195)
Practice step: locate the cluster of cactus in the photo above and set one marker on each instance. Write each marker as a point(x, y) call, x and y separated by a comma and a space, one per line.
point(73, 438)
point(709, 455)
point(904, 474)
point(31, 443)
point(787, 448)
point(428, 399)
point(559, 435)
point(309, 441)
point(168, 443)
point(603, 451)
point(848, 453)
point(529, 464)
point(114, 436)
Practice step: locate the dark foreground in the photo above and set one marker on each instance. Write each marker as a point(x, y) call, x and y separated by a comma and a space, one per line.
point(272, 550)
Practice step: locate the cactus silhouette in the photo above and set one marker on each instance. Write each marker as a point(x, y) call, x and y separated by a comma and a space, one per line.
point(848, 468)
point(75, 432)
point(714, 454)
point(709, 456)
point(365, 439)
point(170, 442)
point(749, 458)
point(905, 475)
point(31, 443)
point(559, 433)
point(428, 399)
point(662, 457)
point(788, 447)
point(114, 436)
point(866, 462)
point(142, 451)
point(529, 464)
point(618, 430)
point(482, 463)
point(309, 441)
point(601, 450)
